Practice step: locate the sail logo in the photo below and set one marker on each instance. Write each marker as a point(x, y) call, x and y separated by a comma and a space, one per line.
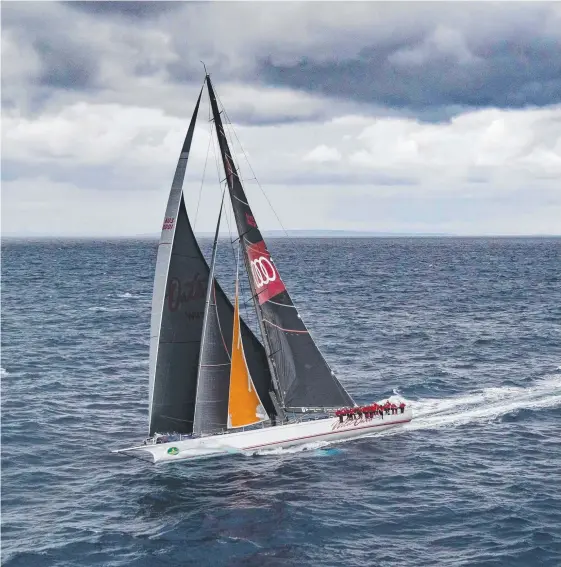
point(168, 223)
point(180, 293)
point(173, 451)
point(250, 220)
point(263, 272)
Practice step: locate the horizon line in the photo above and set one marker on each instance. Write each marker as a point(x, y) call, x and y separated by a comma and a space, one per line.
point(280, 234)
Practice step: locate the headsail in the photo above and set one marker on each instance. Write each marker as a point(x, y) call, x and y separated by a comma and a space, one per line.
point(178, 301)
point(211, 405)
point(303, 377)
point(244, 405)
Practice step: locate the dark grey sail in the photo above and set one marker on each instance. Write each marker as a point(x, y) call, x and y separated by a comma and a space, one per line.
point(178, 303)
point(302, 377)
point(213, 380)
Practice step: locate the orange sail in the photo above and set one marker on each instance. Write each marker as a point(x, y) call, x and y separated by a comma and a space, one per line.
point(244, 405)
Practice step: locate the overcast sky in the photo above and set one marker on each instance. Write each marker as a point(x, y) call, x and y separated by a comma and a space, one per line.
point(394, 117)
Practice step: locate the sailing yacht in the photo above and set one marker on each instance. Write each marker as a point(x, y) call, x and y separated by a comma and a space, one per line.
point(214, 387)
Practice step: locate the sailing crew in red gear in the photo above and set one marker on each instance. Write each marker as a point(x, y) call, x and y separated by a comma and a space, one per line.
point(394, 409)
point(402, 407)
point(339, 414)
point(387, 407)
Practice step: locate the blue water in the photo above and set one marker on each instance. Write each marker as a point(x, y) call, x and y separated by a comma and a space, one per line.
point(468, 330)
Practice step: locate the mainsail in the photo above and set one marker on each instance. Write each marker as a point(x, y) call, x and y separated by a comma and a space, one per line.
point(301, 375)
point(178, 303)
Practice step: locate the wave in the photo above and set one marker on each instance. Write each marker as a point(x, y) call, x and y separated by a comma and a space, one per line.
point(3, 371)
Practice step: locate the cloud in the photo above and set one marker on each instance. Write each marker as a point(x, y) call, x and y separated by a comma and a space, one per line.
point(373, 116)
point(132, 10)
point(323, 154)
point(431, 61)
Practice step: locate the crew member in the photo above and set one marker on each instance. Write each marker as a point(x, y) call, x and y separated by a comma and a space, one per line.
point(402, 407)
point(394, 409)
point(387, 407)
point(339, 414)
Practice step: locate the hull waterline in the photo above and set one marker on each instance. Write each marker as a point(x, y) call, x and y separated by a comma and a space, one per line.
point(282, 436)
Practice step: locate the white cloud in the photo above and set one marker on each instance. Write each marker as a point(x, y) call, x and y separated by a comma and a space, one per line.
point(365, 175)
point(505, 143)
point(323, 154)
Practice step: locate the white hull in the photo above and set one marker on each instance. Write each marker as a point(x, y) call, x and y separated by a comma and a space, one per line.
point(250, 441)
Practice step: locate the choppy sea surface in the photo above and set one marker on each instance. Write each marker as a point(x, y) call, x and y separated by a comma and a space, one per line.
point(467, 330)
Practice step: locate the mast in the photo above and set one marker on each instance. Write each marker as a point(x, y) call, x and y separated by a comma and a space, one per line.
point(302, 378)
point(214, 361)
point(276, 394)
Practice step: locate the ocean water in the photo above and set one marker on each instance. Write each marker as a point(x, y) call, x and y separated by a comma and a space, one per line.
point(467, 330)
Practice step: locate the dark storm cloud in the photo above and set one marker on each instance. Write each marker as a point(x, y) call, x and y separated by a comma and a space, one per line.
point(431, 64)
point(135, 10)
point(65, 64)
point(500, 75)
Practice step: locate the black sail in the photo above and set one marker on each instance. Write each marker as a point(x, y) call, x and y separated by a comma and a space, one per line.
point(178, 303)
point(303, 377)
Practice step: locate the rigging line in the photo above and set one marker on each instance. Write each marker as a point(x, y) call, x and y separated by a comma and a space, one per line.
point(241, 287)
point(286, 330)
point(219, 325)
point(240, 177)
point(203, 179)
point(281, 304)
point(255, 175)
point(225, 186)
point(228, 136)
point(243, 202)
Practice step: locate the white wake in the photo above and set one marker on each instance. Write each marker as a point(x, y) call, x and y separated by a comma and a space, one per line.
point(484, 405)
point(487, 404)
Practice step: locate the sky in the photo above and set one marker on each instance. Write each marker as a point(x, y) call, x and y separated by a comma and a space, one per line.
point(402, 117)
